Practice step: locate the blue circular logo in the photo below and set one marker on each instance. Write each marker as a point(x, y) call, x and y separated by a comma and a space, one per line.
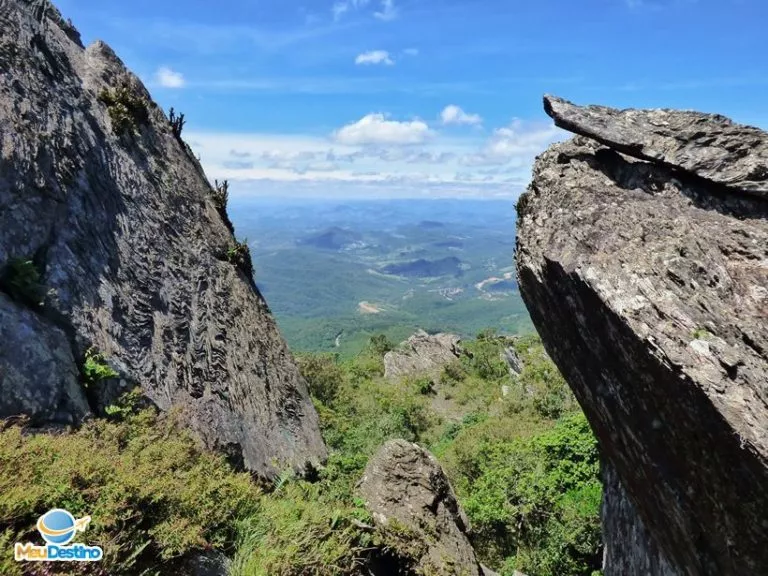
point(57, 526)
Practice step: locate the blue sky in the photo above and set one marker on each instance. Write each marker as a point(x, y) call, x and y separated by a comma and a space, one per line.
point(374, 98)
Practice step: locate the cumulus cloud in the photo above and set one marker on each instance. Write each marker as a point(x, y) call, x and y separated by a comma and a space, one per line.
point(519, 139)
point(169, 78)
point(374, 57)
point(453, 114)
point(376, 129)
point(388, 10)
point(394, 156)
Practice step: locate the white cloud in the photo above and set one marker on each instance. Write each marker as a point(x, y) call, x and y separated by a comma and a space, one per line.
point(388, 10)
point(341, 7)
point(374, 57)
point(169, 78)
point(522, 140)
point(453, 114)
point(377, 156)
point(411, 51)
point(376, 129)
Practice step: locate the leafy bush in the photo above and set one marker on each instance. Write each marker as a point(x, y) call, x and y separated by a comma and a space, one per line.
point(126, 109)
point(380, 344)
point(323, 375)
point(536, 501)
point(484, 357)
point(96, 369)
point(20, 279)
point(153, 493)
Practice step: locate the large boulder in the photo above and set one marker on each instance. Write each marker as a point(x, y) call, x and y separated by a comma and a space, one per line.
point(408, 493)
point(136, 251)
point(642, 256)
point(422, 354)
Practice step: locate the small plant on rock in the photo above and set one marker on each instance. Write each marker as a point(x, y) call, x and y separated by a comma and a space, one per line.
point(220, 195)
point(177, 123)
point(240, 255)
point(20, 279)
point(96, 369)
point(126, 110)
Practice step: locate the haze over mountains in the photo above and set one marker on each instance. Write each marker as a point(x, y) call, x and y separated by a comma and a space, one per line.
point(335, 272)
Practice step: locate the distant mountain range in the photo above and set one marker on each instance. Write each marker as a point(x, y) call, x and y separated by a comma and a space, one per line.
point(336, 272)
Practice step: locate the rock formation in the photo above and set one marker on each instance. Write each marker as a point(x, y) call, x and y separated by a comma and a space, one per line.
point(105, 209)
point(406, 490)
point(642, 256)
point(422, 354)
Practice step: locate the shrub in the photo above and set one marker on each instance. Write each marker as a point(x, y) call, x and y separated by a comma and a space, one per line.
point(536, 501)
point(483, 357)
point(323, 375)
point(126, 110)
point(380, 345)
point(95, 369)
point(153, 493)
point(20, 279)
point(453, 374)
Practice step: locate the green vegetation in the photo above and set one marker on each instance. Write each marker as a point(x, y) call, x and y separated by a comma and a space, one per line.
point(21, 280)
point(701, 334)
point(517, 450)
point(220, 194)
point(153, 493)
point(239, 255)
point(127, 110)
point(95, 369)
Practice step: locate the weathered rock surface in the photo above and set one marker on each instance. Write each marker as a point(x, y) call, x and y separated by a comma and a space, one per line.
point(404, 486)
point(422, 354)
point(124, 231)
point(706, 145)
point(649, 286)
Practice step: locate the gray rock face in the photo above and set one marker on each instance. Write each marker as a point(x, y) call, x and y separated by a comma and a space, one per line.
point(422, 354)
point(126, 235)
point(706, 145)
point(405, 483)
point(649, 286)
point(628, 546)
point(38, 375)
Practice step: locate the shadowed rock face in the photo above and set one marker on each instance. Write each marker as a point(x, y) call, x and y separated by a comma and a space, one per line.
point(124, 233)
point(648, 282)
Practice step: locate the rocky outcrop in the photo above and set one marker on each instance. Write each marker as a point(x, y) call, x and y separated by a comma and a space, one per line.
point(102, 200)
point(706, 145)
point(422, 354)
point(642, 256)
point(408, 493)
